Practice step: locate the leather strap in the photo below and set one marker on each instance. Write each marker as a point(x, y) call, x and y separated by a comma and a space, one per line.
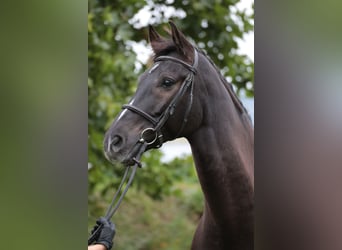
point(140, 112)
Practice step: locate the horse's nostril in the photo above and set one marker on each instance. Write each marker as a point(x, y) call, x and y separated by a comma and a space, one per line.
point(116, 142)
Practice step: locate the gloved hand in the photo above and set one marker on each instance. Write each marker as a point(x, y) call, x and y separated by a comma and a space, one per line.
point(107, 232)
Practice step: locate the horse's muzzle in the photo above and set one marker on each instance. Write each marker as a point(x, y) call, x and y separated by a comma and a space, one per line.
point(116, 150)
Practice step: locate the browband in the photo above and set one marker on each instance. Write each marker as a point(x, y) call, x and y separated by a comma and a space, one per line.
point(192, 68)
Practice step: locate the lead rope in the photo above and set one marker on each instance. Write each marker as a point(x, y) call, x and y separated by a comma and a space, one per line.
point(114, 205)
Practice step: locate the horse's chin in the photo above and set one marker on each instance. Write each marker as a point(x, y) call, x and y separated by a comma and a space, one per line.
point(115, 157)
point(125, 159)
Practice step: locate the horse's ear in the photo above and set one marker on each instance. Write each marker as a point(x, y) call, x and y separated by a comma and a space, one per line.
point(155, 38)
point(182, 44)
point(153, 34)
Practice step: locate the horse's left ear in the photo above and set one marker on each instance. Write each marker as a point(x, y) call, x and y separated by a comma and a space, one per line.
point(182, 44)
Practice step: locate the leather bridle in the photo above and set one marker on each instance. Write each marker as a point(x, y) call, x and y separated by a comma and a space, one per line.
point(155, 131)
point(159, 122)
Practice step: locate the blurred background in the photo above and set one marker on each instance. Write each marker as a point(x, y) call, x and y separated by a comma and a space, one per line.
point(45, 120)
point(162, 208)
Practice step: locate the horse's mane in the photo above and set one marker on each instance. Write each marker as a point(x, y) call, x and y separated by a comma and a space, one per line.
point(226, 84)
point(167, 46)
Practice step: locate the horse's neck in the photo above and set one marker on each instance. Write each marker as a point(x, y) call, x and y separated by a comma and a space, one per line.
point(224, 159)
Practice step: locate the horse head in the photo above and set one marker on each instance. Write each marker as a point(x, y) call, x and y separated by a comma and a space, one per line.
point(163, 107)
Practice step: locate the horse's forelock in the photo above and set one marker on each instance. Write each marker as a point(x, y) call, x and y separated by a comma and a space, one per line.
point(163, 47)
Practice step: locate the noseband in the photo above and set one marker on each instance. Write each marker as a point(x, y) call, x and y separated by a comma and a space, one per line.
point(159, 122)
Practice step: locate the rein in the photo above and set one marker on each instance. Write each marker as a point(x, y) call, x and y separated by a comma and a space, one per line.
point(145, 136)
point(114, 205)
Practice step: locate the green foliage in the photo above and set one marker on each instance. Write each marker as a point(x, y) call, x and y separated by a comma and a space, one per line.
point(162, 177)
point(155, 214)
point(143, 223)
point(165, 201)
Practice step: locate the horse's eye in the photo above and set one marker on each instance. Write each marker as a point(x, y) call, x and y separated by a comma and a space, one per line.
point(167, 82)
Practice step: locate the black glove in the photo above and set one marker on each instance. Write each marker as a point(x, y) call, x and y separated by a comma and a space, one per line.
point(106, 234)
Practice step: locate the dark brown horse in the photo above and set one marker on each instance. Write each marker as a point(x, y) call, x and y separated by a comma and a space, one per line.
point(184, 95)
